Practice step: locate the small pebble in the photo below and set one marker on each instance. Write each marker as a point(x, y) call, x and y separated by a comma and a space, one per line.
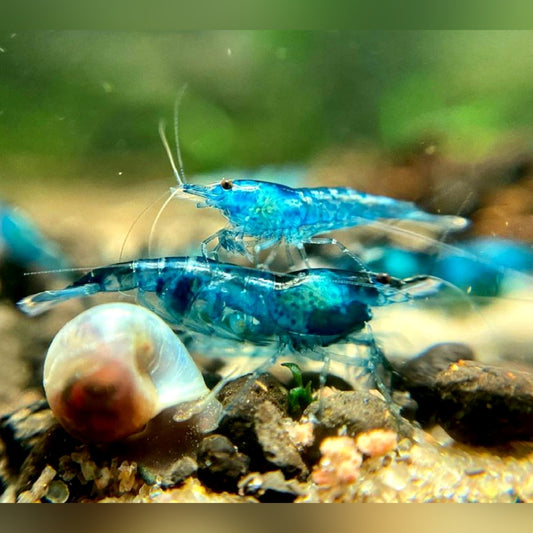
point(395, 477)
point(271, 487)
point(301, 434)
point(39, 488)
point(339, 463)
point(126, 476)
point(171, 476)
point(57, 492)
point(377, 442)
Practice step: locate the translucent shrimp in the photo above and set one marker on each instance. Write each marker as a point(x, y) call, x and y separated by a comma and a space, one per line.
point(303, 312)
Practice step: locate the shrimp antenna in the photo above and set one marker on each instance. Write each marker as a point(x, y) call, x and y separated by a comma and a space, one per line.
point(474, 308)
point(177, 104)
point(60, 270)
point(123, 247)
point(179, 172)
point(164, 140)
point(156, 219)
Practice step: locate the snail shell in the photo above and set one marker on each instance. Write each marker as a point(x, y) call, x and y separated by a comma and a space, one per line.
point(114, 367)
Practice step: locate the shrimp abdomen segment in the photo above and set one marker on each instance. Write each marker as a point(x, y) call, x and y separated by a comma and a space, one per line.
point(318, 306)
point(330, 208)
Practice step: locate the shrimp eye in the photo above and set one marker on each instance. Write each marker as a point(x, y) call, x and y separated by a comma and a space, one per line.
point(383, 278)
point(226, 184)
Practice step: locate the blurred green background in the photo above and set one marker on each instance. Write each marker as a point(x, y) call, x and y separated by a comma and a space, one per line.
point(85, 105)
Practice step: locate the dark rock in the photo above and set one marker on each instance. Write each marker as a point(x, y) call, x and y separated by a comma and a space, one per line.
point(418, 376)
point(272, 487)
point(255, 423)
point(22, 429)
point(485, 405)
point(220, 464)
point(422, 370)
point(241, 398)
point(277, 447)
point(180, 471)
point(173, 475)
point(408, 406)
point(356, 411)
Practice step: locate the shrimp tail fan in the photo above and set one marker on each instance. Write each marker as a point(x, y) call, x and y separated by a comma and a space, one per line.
point(419, 287)
point(37, 304)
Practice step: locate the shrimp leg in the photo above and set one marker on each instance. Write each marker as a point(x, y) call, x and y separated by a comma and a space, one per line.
point(259, 247)
point(338, 244)
point(303, 254)
point(230, 240)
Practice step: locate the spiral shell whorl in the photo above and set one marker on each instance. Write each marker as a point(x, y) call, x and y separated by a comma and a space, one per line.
point(113, 368)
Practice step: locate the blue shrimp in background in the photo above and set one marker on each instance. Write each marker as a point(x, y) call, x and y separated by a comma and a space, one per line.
point(482, 266)
point(24, 243)
point(23, 248)
point(501, 263)
point(304, 311)
point(495, 279)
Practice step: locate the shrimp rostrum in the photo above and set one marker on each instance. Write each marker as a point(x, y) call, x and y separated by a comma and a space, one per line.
point(303, 311)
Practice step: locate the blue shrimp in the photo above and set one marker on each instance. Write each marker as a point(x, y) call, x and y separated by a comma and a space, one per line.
point(22, 242)
point(270, 212)
point(24, 248)
point(303, 311)
point(264, 214)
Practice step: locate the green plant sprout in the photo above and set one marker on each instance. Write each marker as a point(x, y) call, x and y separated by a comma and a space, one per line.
point(299, 397)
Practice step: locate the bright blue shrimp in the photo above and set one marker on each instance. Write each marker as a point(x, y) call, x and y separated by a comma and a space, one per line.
point(303, 311)
point(264, 214)
point(269, 213)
